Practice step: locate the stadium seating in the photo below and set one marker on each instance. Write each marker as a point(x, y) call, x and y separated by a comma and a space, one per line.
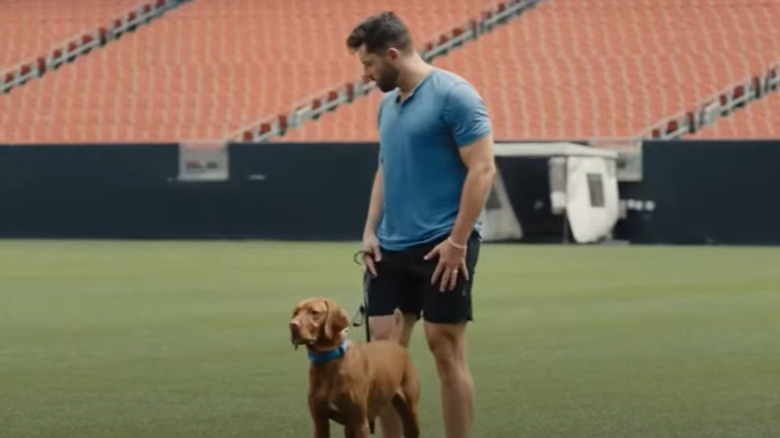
point(30, 28)
point(205, 70)
point(590, 68)
point(74, 46)
point(596, 68)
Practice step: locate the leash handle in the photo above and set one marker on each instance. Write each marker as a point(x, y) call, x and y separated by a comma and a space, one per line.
point(366, 282)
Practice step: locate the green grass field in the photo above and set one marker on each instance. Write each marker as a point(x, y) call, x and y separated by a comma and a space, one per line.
point(189, 339)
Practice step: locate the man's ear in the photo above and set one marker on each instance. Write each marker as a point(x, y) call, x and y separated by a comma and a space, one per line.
point(336, 320)
point(393, 53)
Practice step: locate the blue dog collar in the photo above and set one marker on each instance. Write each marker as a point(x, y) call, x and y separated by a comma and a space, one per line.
point(317, 357)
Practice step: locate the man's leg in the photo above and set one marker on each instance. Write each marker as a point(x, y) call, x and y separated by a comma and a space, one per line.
point(447, 342)
point(381, 327)
point(386, 292)
point(446, 315)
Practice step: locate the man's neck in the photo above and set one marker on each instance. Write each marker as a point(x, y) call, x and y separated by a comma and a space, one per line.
point(414, 74)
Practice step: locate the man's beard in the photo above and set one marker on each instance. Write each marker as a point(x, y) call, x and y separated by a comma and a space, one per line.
point(388, 80)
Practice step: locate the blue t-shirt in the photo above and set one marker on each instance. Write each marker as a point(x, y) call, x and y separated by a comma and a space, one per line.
point(419, 153)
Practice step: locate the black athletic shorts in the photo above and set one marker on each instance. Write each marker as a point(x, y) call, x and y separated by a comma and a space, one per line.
point(404, 281)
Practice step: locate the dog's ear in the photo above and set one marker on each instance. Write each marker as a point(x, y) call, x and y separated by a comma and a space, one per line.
point(336, 320)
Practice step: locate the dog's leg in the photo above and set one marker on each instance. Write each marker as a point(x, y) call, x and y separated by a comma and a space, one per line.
point(321, 428)
point(337, 417)
point(357, 430)
point(362, 431)
point(320, 418)
point(405, 403)
point(357, 423)
point(409, 416)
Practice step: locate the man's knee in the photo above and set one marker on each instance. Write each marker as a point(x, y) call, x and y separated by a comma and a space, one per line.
point(447, 343)
point(381, 327)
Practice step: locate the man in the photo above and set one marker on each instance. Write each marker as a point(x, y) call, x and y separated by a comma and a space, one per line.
point(421, 239)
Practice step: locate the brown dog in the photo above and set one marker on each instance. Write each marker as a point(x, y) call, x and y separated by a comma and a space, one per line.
point(351, 383)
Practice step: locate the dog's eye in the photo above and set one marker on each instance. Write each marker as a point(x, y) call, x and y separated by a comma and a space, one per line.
point(314, 312)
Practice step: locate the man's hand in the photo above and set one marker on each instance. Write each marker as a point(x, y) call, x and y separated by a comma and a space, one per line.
point(452, 262)
point(371, 253)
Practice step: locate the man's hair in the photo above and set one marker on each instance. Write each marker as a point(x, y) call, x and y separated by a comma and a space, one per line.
point(380, 32)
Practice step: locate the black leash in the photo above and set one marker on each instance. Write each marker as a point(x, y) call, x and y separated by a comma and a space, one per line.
point(357, 258)
point(366, 279)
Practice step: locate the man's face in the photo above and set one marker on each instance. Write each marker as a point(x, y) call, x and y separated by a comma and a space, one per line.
point(380, 69)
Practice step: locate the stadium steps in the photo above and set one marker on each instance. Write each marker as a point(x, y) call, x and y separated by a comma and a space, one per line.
point(747, 109)
point(56, 22)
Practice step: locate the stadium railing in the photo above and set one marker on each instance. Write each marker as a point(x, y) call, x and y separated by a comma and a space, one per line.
point(83, 43)
point(717, 106)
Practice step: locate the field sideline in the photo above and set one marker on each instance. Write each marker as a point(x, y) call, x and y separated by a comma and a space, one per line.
point(189, 339)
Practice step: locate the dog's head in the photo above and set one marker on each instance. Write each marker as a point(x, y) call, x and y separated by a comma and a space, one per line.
point(318, 323)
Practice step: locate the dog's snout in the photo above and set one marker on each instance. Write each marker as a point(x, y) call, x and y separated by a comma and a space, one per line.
point(295, 327)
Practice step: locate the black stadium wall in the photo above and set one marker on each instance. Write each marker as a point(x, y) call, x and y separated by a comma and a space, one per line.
point(706, 192)
point(703, 192)
point(273, 191)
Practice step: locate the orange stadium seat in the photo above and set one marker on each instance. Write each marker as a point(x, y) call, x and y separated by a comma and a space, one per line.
point(569, 69)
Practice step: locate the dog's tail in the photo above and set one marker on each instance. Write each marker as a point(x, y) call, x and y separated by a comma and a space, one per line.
point(399, 322)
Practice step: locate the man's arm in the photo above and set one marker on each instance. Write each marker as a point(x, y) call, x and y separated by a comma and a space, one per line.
point(374, 205)
point(466, 115)
point(478, 158)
